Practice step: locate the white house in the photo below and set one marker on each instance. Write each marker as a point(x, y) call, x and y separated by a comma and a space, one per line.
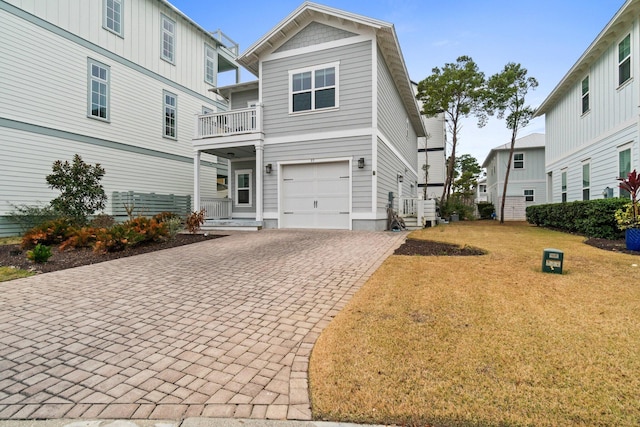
point(116, 81)
point(324, 136)
point(526, 185)
point(592, 115)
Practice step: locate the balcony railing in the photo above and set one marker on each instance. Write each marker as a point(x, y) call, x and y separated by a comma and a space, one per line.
point(226, 41)
point(229, 123)
point(216, 208)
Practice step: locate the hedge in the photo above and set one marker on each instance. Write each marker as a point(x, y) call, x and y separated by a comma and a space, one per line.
point(592, 218)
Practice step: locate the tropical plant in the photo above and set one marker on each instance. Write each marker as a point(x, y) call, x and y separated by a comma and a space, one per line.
point(628, 217)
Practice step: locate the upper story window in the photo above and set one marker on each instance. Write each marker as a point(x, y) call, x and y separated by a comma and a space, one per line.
point(209, 64)
point(585, 95)
point(564, 186)
point(170, 114)
point(313, 88)
point(518, 160)
point(168, 45)
point(112, 16)
point(624, 60)
point(98, 90)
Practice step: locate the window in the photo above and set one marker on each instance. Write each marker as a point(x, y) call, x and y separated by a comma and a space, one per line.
point(209, 64)
point(586, 180)
point(564, 186)
point(624, 167)
point(585, 95)
point(529, 195)
point(168, 46)
point(112, 16)
point(98, 91)
point(624, 60)
point(313, 89)
point(243, 187)
point(518, 160)
point(170, 114)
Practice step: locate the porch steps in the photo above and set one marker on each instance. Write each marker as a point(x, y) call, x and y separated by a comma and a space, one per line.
point(231, 224)
point(411, 223)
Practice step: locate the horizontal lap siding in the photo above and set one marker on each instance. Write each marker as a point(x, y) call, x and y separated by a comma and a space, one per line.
point(355, 92)
point(304, 151)
point(392, 116)
point(239, 100)
point(389, 165)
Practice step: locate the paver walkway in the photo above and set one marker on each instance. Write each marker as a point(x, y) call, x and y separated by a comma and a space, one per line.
point(222, 328)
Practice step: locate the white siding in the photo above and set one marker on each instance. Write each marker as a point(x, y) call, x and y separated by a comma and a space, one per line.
point(387, 178)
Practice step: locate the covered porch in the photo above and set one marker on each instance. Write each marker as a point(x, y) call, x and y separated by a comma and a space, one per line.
point(235, 137)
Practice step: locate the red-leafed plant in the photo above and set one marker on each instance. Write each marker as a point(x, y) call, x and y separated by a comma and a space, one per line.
point(629, 218)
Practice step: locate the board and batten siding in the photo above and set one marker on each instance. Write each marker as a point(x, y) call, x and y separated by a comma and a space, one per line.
point(393, 120)
point(141, 41)
point(320, 150)
point(355, 92)
point(389, 166)
point(568, 130)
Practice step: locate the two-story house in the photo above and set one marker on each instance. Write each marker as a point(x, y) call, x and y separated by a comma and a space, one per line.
point(327, 132)
point(117, 82)
point(526, 185)
point(592, 115)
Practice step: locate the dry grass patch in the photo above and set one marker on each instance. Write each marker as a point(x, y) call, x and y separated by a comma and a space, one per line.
point(488, 340)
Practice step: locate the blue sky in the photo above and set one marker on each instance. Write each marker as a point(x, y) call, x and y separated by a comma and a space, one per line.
point(545, 36)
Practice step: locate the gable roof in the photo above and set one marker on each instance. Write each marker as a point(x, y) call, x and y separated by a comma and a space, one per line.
point(611, 32)
point(385, 35)
point(534, 140)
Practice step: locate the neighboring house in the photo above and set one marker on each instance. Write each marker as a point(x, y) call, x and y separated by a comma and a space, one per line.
point(117, 82)
point(431, 180)
point(592, 115)
point(325, 134)
point(481, 191)
point(526, 185)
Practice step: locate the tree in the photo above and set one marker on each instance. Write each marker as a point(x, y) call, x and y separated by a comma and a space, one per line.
point(467, 171)
point(457, 90)
point(80, 188)
point(506, 95)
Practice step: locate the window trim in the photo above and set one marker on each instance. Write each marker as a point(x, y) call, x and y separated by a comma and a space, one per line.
point(563, 185)
point(514, 160)
point(90, 78)
point(172, 60)
point(166, 93)
point(236, 188)
point(625, 59)
point(312, 70)
point(585, 95)
point(586, 163)
point(213, 60)
point(532, 195)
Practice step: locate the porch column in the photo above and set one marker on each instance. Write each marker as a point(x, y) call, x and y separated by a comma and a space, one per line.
point(259, 172)
point(196, 181)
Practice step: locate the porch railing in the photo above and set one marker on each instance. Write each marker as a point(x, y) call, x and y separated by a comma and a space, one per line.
point(423, 210)
point(216, 208)
point(408, 207)
point(229, 123)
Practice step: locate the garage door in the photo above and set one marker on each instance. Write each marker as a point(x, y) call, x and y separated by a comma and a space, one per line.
point(315, 195)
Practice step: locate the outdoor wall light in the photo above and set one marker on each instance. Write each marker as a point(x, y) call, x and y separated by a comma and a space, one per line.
point(400, 177)
point(268, 168)
point(361, 163)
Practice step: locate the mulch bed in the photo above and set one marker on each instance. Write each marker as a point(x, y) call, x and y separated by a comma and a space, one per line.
point(431, 248)
point(610, 245)
point(12, 255)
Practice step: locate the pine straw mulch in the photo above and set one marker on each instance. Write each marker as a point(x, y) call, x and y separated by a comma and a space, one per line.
point(14, 256)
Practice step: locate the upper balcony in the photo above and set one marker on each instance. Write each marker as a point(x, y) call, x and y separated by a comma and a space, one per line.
point(228, 128)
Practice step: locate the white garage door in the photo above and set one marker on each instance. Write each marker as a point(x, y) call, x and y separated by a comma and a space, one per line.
point(315, 195)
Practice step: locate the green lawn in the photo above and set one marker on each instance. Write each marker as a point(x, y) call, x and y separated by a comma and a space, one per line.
point(9, 273)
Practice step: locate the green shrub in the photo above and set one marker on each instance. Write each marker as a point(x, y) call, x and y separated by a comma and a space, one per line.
point(485, 209)
point(454, 204)
point(28, 216)
point(592, 218)
point(174, 225)
point(102, 220)
point(40, 254)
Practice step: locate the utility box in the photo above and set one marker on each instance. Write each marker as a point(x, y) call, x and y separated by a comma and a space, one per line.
point(552, 261)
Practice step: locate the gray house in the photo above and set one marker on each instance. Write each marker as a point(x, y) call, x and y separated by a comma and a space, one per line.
point(325, 134)
point(526, 179)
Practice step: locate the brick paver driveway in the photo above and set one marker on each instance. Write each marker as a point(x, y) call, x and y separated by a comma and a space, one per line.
point(222, 328)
